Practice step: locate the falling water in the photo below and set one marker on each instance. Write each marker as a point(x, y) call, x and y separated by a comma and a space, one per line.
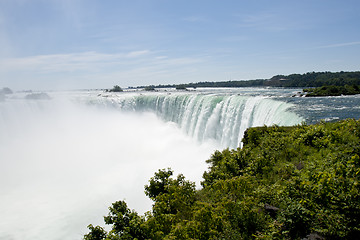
point(63, 162)
point(221, 118)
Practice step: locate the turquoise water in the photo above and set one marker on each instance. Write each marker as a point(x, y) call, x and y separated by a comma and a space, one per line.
point(219, 115)
point(223, 115)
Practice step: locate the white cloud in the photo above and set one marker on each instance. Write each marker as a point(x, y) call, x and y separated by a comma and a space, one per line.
point(340, 45)
point(138, 53)
point(181, 61)
point(68, 62)
point(161, 57)
point(93, 69)
point(86, 60)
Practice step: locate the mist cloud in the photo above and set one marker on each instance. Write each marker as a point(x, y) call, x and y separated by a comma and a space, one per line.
point(63, 164)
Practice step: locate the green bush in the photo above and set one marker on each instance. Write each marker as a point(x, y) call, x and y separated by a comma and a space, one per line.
point(285, 183)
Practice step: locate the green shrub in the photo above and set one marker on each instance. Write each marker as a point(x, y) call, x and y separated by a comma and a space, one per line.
point(285, 183)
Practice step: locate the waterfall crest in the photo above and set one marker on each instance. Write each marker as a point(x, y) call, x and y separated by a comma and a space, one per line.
point(222, 118)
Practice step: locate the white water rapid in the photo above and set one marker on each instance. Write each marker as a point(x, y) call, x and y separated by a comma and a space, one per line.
point(222, 118)
point(63, 163)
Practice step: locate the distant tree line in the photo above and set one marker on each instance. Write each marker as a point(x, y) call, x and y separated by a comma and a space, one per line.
point(243, 83)
point(310, 79)
point(316, 79)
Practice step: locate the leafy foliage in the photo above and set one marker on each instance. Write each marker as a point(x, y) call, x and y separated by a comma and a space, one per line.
point(332, 91)
point(285, 183)
point(150, 88)
point(96, 233)
point(316, 79)
point(180, 87)
point(6, 90)
point(116, 88)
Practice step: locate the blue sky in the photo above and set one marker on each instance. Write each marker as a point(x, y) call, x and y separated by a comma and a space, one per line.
point(77, 44)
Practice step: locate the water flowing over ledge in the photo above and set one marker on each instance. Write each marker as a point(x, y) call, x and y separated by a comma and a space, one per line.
point(219, 117)
point(56, 148)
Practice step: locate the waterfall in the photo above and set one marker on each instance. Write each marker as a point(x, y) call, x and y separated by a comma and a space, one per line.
point(63, 163)
point(219, 117)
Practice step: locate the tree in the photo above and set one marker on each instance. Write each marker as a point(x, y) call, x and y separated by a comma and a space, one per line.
point(173, 203)
point(116, 88)
point(96, 233)
point(150, 88)
point(157, 184)
point(6, 90)
point(126, 224)
point(181, 87)
point(299, 182)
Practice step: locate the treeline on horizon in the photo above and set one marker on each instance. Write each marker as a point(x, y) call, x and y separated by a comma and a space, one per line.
point(300, 182)
point(310, 79)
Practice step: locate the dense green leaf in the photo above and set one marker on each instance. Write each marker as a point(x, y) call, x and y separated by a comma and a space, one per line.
point(284, 183)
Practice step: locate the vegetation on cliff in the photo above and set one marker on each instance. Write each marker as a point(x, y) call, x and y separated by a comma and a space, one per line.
point(332, 91)
point(285, 183)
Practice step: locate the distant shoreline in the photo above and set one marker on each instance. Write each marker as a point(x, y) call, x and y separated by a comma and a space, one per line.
point(307, 80)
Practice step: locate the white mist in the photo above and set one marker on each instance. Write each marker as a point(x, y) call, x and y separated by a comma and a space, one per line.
point(63, 164)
